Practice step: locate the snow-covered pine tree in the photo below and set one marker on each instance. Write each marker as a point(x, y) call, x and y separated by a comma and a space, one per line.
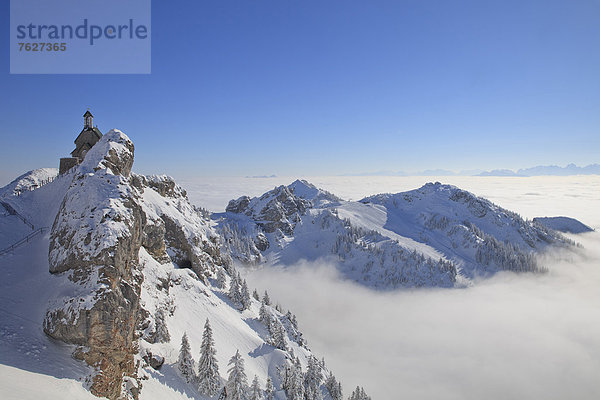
point(234, 290)
point(185, 362)
point(245, 296)
point(208, 378)
point(334, 387)
point(278, 334)
point(255, 295)
point(269, 389)
point(221, 278)
point(291, 380)
point(236, 382)
point(313, 379)
point(263, 315)
point(255, 390)
point(267, 299)
point(363, 395)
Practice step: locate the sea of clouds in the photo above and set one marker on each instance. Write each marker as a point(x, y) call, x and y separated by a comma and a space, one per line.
point(509, 337)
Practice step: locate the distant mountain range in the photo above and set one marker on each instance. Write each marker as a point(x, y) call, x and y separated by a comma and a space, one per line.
point(571, 169)
point(540, 170)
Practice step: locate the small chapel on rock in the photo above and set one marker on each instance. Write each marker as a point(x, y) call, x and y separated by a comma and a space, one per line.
point(89, 136)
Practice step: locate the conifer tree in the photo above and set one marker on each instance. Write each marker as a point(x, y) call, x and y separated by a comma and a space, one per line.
point(236, 382)
point(221, 278)
point(312, 379)
point(334, 387)
point(291, 380)
point(263, 315)
point(269, 389)
point(208, 370)
point(245, 296)
point(234, 290)
point(185, 362)
point(266, 299)
point(255, 295)
point(278, 334)
point(255, 390)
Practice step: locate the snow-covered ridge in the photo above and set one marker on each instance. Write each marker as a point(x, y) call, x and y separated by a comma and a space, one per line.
point(437, 235)
point(29, 181)
point(479, 235)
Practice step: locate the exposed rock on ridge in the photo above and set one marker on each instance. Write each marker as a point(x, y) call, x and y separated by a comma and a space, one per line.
point(96, 237)
point(105, 218)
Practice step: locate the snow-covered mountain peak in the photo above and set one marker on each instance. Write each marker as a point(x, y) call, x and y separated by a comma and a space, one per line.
point(278, 209)
point(308, 191)
point(281, 208)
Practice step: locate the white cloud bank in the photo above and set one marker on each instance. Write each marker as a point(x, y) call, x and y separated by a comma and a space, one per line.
point(509, 337)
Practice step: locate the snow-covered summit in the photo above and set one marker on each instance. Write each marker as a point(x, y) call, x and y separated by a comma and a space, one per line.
point(308, 191)
point(281, 208)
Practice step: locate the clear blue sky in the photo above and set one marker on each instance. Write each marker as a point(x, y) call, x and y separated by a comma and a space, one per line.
point(301, 87)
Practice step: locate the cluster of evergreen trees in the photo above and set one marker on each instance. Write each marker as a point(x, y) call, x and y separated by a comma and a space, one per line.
point(503, 255)
point(296, 384)
point(384, 263)
point(206, 378)
point(239, 293)
point(239, 243)
point(359, 394)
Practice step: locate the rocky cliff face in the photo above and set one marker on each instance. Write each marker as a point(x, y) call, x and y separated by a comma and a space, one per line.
point(281, 208)
point(106, 217)
point(95, 239)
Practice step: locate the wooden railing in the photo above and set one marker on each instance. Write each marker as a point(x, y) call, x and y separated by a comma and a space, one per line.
point(26, 239)
point(14, 212)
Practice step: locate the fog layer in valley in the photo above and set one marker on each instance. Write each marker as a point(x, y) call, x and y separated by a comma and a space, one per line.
point(509, 337)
